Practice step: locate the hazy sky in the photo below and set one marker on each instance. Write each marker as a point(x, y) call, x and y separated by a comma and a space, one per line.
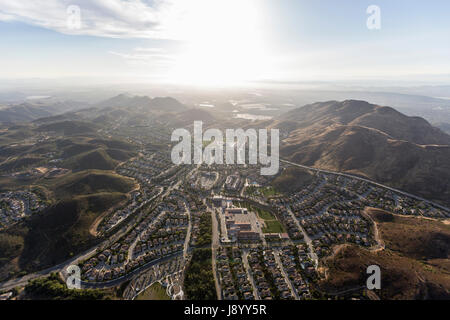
point(224, 41)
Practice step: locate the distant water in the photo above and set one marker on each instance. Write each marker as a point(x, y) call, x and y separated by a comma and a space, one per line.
point(206, 105)
point(253, 117)
point(258, 106)
point(37, 97)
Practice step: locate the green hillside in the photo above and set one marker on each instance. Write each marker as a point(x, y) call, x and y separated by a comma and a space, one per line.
point(90, 182)
point(292, 179)
point(96, 159)
point(17, 164)
point(68, 127)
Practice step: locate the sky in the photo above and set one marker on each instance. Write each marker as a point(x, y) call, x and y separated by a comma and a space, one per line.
point(220, 42)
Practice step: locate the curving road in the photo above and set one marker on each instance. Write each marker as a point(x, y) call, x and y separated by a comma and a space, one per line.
point(61, 268)
point(10, 284)
point(366, 180)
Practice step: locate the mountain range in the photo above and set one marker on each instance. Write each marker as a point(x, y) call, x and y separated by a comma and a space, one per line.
point(29, 111)
point(45, 108)
point(166, 104)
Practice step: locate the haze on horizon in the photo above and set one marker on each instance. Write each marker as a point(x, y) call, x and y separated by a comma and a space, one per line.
point(218, 42)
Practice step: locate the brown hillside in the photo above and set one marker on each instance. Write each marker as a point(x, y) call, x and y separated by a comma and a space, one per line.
point(372, 141)
point(414, 264)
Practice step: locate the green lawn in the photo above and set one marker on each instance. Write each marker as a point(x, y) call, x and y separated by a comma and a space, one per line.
point(264, 191)
point(273, 226)
point(265, 215)
point(155, 292)
point(269, 192)
point(271, 222)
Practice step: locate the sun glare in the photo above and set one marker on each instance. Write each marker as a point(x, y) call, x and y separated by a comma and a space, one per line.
point(224, 43)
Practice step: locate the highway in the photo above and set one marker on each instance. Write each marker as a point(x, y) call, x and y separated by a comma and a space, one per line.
point(61, 268)
point(118, 281)
point(366, 180)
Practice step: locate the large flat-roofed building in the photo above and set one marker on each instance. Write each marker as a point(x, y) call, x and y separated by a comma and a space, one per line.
point(272, 236)
point(236, 211)
point(244, 226)
point(241, 224)
point(248, 235)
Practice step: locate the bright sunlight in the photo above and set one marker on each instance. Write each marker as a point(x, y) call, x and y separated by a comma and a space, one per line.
point(224, 42)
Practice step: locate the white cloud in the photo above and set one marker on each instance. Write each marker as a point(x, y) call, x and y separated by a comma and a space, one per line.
point(105, 18)
point(154, 50)
point(221, 40)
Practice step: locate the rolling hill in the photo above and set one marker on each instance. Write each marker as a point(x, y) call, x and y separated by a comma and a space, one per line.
point(22, 113)
point(36, 109)
point(165, 104)
point(95, 159)
point(90, 182)
point(292, 179)
point(62, 230)
point(77, 148)
point(68, 127)
point(75, 198)
point(187, 118)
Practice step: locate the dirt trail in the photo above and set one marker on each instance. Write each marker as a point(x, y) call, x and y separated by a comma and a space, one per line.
point(380, 243)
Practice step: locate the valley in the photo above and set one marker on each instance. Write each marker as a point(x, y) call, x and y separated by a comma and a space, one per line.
point(99, 190)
